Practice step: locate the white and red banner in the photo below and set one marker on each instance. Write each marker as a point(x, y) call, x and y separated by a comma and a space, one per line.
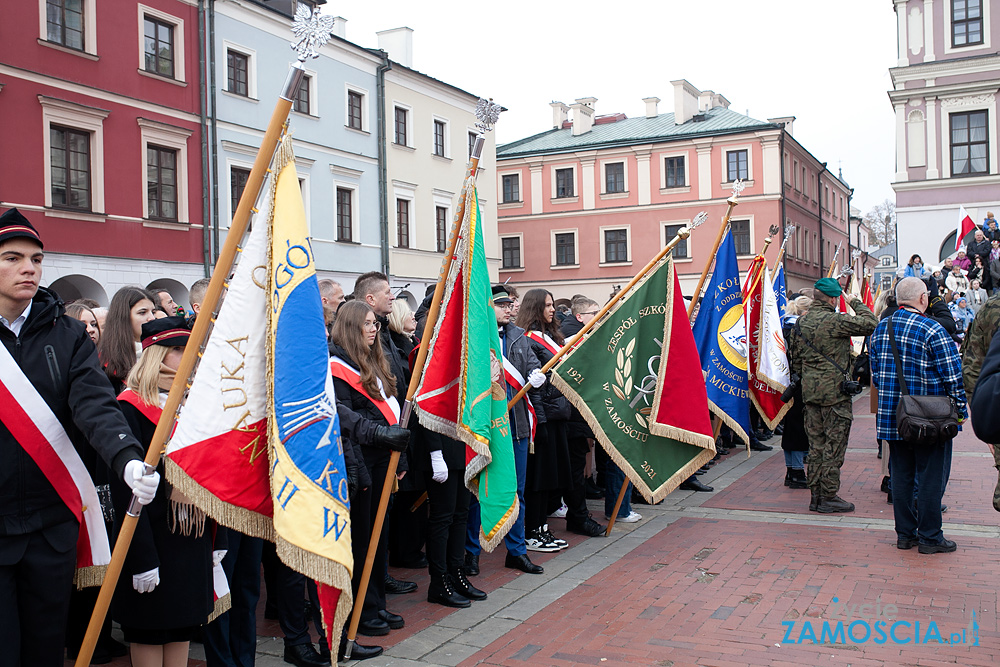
point(965, 225)
point(762, 325)
point(217, 455)
point(38, 431)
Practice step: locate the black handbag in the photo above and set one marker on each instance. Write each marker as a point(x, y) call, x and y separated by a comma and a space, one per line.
point(922, 420)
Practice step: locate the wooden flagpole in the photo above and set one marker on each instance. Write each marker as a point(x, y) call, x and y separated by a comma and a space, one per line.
point(682, 234)
point(733, 201)
point(483, 112)
point(192, 350)
point(833, 264)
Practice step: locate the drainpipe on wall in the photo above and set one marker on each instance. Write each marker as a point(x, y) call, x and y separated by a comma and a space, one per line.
point(851, 246)
point(819, 208)
point(213, 147)
point(206, 209)
point(383, 186)
point(781, 152)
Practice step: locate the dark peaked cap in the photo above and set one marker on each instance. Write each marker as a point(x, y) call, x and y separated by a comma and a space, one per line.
point(13, 225)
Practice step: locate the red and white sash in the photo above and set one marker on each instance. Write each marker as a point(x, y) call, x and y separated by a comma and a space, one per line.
point(544, 340)
point(516, 381)
point(220, 585)
point(37, 430)
point(388, 406)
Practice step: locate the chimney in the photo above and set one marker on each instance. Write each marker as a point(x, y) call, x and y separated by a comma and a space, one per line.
point(398, 43)
point(685, 101)
point(651, 110)
point(560, 114)
point(784, 121)
point(340, 27)
point(583, 115)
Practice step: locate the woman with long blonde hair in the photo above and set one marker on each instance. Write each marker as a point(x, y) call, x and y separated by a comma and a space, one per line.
point(165, 592)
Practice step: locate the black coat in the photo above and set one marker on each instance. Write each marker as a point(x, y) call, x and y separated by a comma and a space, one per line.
point(358, 419)
point(518, 351)
point(184, 597)
point(60, 361)
point(552, 405)
point(794, 438)
point(577, 427)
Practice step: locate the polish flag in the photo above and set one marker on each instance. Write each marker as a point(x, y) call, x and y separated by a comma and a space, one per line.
point(965, 225)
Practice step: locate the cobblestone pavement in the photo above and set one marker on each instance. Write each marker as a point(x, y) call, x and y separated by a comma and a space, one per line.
point(743, 576)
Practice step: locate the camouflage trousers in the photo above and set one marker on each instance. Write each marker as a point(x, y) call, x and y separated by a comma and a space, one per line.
point(996, 491)
point(827, 428)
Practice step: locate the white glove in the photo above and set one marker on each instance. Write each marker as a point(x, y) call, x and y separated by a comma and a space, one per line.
point(147, 581)
point(536, 378)
point(143, 486)
point(217, 556)
point(440, 470)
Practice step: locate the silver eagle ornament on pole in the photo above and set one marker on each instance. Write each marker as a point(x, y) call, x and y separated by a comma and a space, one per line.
point(311, 30)
point(487, 112)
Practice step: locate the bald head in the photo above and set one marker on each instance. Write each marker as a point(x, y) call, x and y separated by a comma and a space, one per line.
point(912, 292)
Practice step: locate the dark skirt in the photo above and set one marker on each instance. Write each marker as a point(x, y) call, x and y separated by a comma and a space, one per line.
point(794, 437)
point(549, 467)
point(159, 637)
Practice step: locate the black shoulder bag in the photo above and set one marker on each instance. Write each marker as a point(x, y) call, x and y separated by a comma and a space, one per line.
point(921, 420)
point(850, 386)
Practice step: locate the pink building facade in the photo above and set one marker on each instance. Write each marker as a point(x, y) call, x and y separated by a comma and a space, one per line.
point(945, 87)
point(99, 102)
point(583, 206)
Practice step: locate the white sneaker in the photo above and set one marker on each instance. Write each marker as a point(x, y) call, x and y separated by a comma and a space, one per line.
point(534, 542)
point(546, 535)
point(632, 517)
point(560, 513)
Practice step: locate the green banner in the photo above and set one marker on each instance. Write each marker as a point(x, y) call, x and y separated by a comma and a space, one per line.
point(611, 377)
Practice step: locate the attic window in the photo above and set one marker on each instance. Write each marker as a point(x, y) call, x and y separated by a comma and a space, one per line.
point(699, 117)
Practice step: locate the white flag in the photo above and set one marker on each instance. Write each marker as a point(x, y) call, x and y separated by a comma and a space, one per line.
point(772, 367)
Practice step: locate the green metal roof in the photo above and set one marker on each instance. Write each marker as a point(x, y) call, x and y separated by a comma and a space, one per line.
point(632, 131)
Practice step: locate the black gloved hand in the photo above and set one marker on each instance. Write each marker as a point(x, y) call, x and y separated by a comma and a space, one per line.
point(392, 437)
point(352, 481)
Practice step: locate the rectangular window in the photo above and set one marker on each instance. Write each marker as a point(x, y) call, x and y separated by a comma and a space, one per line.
point(345, 215)
point(614, 177)
point(615, 245)
point(673, 168)
point(511, 188)
point(439, 138)
point(403, 223)
point(401, 119)
point(472, 142)
point(161, 182)
point(301, 102)
point(741, 236)
point(681, 249)
point(969, 143)
point(64, 21)
point(237, 182)
point(159, 38)
point(441, 227)
point(511, 252)
point(736, 165)
point(966, 22)
point(70, 158)
point(237, 73)
point(565, 249)
point(354, 101)
point(564, 183)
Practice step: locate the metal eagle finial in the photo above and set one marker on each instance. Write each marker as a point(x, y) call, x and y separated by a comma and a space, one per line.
point(738, 187)
point(789, 230)
point(311, 30)
point(488, 112)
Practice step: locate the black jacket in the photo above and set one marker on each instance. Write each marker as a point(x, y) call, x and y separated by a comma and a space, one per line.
point(358, 419)
point(60, 360)
point(553, 406)
point(981, 248)
point(398, 363)
point(985, 417)
point(517, 349)
point(577, 427)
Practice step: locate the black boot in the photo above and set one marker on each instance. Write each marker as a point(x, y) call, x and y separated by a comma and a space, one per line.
point(814, 502)
point(834, 504)
point(798, 479)
point(442, 591)
point(471, 564)
point(788, 476)
point(464, 587)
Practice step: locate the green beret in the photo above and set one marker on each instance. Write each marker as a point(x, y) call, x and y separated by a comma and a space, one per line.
point(828, 286)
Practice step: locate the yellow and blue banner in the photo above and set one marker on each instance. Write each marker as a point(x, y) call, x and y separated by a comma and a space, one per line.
point(308, 477)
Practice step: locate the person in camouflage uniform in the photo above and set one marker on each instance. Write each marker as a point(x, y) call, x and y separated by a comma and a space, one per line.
point(975, 345)
point(828, 413)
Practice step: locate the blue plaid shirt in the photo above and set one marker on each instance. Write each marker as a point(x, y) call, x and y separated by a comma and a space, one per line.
point(931, 366)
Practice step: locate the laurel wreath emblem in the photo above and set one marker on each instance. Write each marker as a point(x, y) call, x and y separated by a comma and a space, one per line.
point(623, 384)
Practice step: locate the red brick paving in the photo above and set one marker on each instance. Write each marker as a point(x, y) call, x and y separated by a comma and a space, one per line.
point(714, 592)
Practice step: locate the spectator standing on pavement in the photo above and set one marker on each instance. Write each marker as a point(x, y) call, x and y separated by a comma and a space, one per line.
point(820, 353)
point(957, 282)
point(915, 268)
point(794, 440)
point(930, 367)
point(974, 350)
point(977, 296)
point(963, 261)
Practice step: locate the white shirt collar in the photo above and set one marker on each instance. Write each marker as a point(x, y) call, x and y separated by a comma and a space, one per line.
point(18, 322)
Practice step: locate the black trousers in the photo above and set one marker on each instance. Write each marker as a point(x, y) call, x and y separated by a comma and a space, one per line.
point(364, 508)
point(406, 529)
point(231, 639)
point(289, 597)
point(447, 514)
point(576, 495)
point(36, 577)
